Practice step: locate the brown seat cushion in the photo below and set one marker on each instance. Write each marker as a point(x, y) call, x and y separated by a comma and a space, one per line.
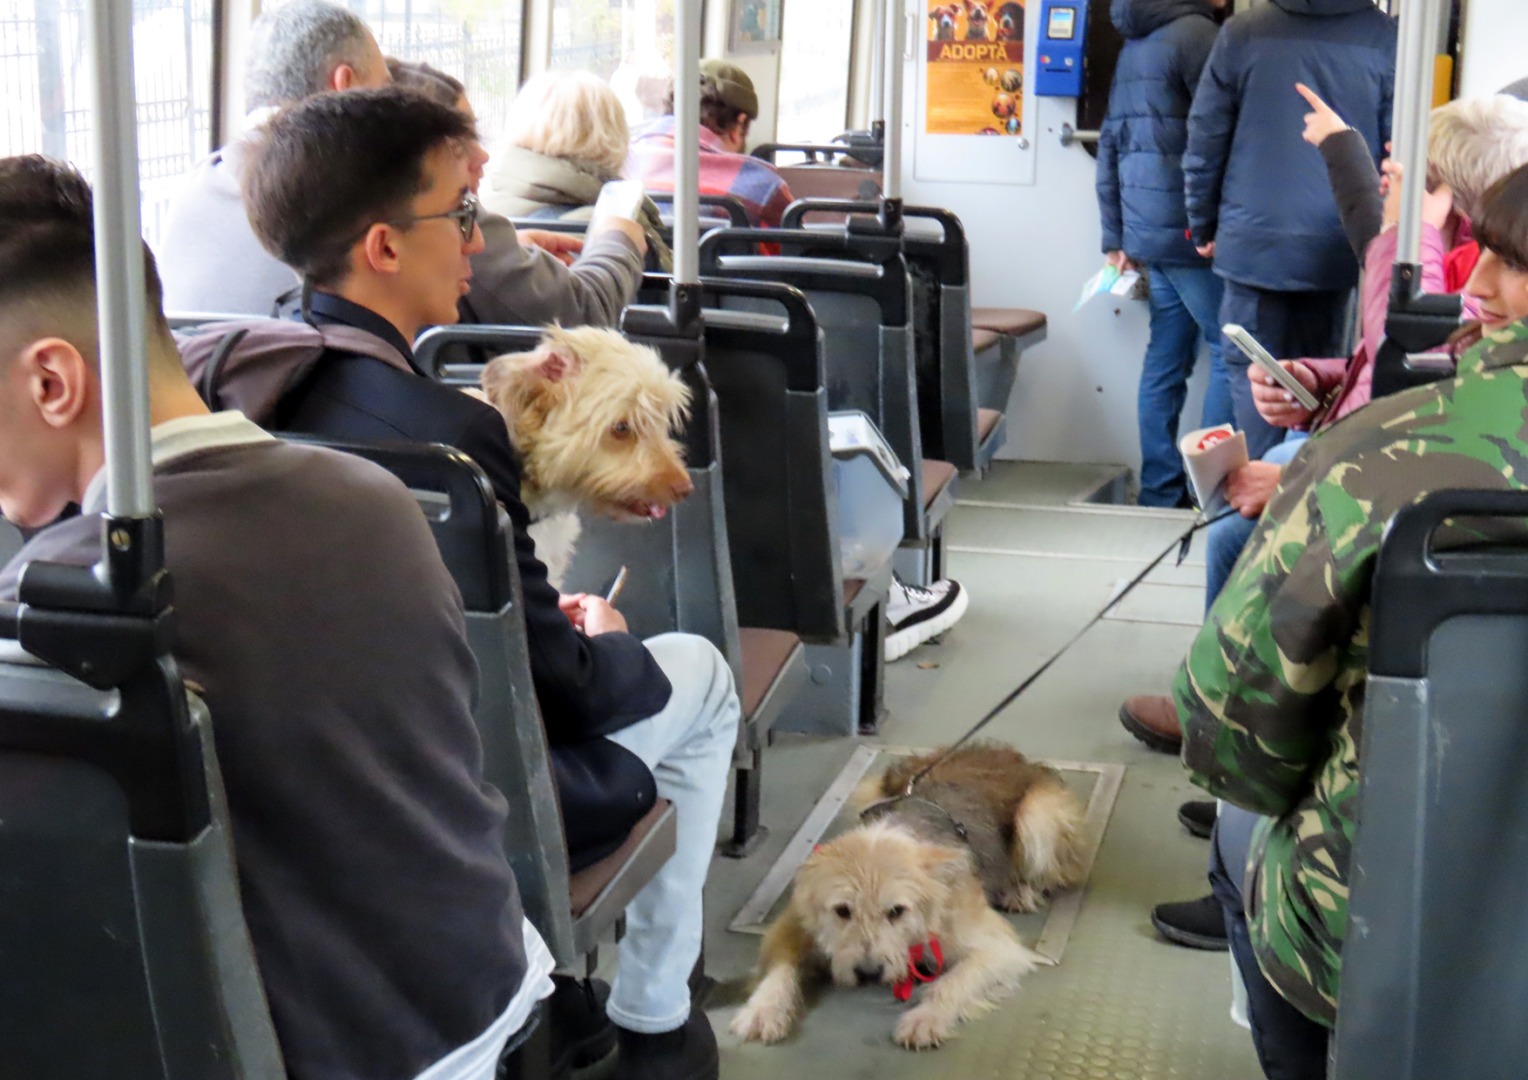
point(852, 588)
point(936, 477)
point(765, 654)
point(1013, 321)
point(586, 885)
point(986, 420)
point(982, 340)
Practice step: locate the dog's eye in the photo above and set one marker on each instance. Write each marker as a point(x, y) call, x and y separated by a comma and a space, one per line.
point(842, 911)
point(621, 429)
point(895, 913)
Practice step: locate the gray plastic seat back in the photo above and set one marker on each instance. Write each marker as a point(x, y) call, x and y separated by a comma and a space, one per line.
point(122, 937)
point(765, 366)
point(1433, 982)
point(859, 290)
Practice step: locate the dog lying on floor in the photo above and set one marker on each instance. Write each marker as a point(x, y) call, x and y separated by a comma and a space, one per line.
point(590, 415)
point(910, 892)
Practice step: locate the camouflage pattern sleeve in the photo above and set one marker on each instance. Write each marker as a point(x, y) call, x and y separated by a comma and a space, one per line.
point(1256, 695)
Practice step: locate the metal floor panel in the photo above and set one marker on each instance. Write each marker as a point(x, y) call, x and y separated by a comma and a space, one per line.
point(1122, 1005)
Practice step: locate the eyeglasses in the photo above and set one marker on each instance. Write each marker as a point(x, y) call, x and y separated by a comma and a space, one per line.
point(465, 215)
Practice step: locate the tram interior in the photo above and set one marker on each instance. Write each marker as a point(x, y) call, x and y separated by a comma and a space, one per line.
point(1042, 536)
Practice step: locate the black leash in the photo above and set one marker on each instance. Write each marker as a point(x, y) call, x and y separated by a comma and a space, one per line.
point(1181, 543)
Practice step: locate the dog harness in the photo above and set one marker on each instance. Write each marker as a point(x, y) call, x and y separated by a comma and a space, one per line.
point(924, 964)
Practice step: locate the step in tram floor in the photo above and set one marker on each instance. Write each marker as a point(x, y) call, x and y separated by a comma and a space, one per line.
point(1122, 1004)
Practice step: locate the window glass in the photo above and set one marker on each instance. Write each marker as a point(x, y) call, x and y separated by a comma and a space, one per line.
point(628, 42)
point(477, 41)
point(45, 83)
point(814, 79)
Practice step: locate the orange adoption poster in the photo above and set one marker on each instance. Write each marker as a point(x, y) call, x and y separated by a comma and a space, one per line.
point(975, 67)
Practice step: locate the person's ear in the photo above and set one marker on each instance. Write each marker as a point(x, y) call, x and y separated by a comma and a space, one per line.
point(379, 249)
point(343, 77)
point(60, 382)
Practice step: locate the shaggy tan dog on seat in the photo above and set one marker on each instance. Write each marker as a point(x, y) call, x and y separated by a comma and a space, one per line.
point(907, 896)
point(591, 415)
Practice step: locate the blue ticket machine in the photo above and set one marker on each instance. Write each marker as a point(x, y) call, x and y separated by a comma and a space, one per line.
point(1058, 54)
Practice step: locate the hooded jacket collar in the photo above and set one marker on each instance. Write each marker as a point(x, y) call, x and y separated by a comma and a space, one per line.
point(1324, 7)
point(1139, 18)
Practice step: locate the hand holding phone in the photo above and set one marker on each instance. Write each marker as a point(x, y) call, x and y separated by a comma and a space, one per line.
point(1263, 359)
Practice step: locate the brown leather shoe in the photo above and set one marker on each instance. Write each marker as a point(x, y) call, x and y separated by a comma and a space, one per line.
point(1153, 718)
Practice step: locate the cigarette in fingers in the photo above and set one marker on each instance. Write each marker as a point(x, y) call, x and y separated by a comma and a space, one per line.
point(616, 586)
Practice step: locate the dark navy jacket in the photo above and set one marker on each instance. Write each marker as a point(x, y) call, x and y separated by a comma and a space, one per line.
point(1140, 151)
point(587, 687)
point(1253, 185)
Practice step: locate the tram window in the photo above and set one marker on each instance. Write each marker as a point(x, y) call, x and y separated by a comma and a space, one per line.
point(478, 43)
point(628, 42)
point(814, 80)
point(45, 82)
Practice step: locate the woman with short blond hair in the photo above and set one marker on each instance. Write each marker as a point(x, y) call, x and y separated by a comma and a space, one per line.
point(566, 137)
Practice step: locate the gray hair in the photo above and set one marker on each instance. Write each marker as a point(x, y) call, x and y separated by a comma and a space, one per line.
point(295, 48)
point(570, 114)
point(1474, 142)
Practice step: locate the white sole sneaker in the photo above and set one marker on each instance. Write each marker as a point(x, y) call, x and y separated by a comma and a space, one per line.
point(902, 642)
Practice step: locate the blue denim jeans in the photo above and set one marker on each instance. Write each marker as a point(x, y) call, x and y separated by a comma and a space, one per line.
point(1185, 309)
point(689, 748)
point(1290, 1045)
point(1224, 540)
point(1289, 325)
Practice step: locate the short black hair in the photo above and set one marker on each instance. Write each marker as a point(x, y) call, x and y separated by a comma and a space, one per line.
point(47, 236)
point(327, 168)
point(1503, 222)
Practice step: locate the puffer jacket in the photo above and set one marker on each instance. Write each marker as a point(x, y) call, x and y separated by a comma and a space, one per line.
point(1140, 149)
point(1253, 186)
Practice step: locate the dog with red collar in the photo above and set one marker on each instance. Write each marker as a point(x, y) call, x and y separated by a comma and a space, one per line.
point(907, 896)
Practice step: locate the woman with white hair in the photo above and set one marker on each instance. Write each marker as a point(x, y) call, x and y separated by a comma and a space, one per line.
point(566, 137)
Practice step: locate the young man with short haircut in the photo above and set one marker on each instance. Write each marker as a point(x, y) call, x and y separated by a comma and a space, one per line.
point(384, 915)
point(213, 262)
point(369, 194)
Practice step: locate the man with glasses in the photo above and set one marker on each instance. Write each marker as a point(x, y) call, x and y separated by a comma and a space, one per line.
point(369, 195)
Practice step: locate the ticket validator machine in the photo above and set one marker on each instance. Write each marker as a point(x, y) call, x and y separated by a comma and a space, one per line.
point(1060, 50)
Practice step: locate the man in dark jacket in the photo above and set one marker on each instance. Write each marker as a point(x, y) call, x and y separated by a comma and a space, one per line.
point(1140, 202)
point(385, 920)
point(1258, 197)
point(369, 195)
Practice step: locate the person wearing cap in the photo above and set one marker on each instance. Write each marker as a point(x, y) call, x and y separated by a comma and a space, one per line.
point(728, 106)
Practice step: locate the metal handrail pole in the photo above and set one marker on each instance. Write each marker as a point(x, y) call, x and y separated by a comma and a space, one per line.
point(891, 165)
point(686, 143)
point(1413, 100)
point(120, 294)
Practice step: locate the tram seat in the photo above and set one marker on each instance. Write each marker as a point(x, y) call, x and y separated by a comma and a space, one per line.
point(573, 910)
point(679, 568)
point(782, 503)
point(999, 337)
point(858, 288)
point(1433, 960)
point(831, 182)
point(121, 929)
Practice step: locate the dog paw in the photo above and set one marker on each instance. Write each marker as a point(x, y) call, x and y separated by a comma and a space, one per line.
point(758, 1023)
point(922, 1028)
point(1020, 898)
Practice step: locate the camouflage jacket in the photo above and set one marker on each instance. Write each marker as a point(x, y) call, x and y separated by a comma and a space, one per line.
point(1271, 694)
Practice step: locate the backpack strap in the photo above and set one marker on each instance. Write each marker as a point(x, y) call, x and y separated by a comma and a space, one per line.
point(225, 348)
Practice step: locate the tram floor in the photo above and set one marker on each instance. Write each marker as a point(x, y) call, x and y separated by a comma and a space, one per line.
point(1122, 1004)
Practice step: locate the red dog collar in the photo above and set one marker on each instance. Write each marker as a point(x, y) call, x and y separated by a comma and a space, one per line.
point(915, 957)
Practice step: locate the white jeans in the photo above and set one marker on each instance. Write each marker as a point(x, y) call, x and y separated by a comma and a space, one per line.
point(688, 746)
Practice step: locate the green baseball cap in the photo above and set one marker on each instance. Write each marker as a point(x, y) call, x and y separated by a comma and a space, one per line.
point(733, 86)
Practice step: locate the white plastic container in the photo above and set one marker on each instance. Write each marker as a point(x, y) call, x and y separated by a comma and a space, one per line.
point(872, 486)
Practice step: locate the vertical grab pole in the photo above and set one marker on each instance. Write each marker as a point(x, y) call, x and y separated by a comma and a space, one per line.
point(120, 303)
point(892, 74)
point(684, 295)
point(1413, 98)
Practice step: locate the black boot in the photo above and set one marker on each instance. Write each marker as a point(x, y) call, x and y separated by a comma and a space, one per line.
point(686, 1053)
point(581, 1032)
point(1198, 924)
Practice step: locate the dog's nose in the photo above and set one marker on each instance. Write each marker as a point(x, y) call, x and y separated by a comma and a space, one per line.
point(867, 972)
point(682, 485)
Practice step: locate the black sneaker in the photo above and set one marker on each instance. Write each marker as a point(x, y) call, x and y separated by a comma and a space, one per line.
point(1198, 817)
point(914, 614)
point(686, 1053)
point(1197, 924)
point(581, 1033)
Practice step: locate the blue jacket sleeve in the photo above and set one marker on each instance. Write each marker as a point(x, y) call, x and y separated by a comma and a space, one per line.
point(1211, 124)
point(1110, 214)
point(586, 686)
